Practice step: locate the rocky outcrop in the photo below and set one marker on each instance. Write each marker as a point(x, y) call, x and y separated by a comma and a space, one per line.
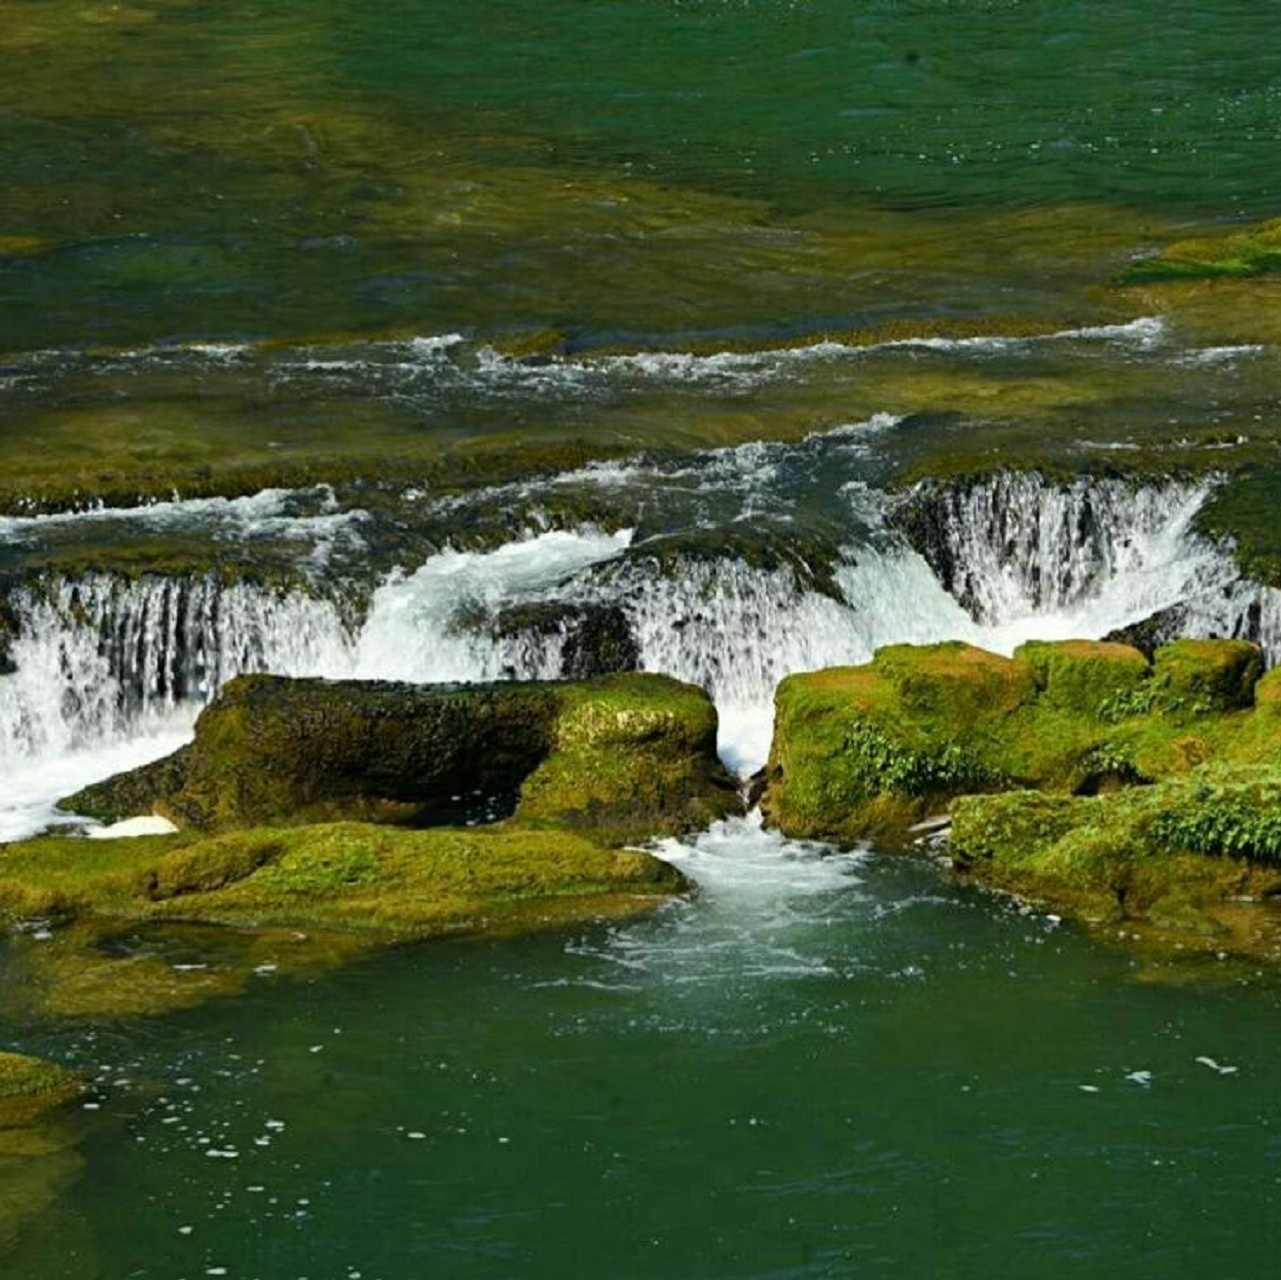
point(1082, 774)
point(627, 756)
point(867, 751)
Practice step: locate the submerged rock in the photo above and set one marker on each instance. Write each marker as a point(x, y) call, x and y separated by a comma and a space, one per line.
point(298, 898)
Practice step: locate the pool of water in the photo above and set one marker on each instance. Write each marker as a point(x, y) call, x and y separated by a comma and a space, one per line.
point(823, 1065)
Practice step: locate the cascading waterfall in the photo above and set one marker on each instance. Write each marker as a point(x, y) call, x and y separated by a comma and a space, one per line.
point(103, 662)
point(1015, 543)
point(735, 630)
point(101, 656)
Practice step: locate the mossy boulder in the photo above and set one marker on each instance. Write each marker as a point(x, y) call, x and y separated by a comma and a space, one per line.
point(1091, 676)
point(864, 752)
point(1199, 676)
point(623, 766)
point(30, 1087)
point(629, 755)
point(1183, 857)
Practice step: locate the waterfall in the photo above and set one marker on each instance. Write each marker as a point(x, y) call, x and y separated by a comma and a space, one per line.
point(102, 662)
point(95, 658)
point(1017, 543)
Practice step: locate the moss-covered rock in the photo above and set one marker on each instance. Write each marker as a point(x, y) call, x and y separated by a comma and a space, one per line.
point(1090, 676)
point(627, 756)
point(1200, 676)
point(866, 751)
point(1182, 858)
point(29, 1087)
point(628, 767)
point(272, 749)
point(593, 764)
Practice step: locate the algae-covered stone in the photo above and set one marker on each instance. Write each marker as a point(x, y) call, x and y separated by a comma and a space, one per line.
point(1087, 675)
point(30, 1087)
point(1181, 857)
point(865, 751)
point(358, 879)
point(630, 756)
point(633, 757)
point(271, 749)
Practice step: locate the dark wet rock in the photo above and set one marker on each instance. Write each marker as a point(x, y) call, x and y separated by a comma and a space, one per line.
point(596, 639)
point(1150, 633)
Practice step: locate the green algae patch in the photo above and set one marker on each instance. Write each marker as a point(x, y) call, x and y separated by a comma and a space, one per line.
point(865, 752)
point(155, 924)
point(422, 883)
point(1253, 251)
point(388, 882)
point(31, 1087)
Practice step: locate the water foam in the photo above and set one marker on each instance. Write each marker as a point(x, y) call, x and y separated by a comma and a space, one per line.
point(417, 624)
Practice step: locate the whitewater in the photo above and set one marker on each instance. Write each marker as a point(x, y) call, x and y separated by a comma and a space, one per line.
point(107, 672)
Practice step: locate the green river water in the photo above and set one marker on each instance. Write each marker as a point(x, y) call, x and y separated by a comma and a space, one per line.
point(824, 1065)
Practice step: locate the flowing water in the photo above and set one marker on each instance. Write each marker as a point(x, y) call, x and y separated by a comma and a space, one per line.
point(766, 280)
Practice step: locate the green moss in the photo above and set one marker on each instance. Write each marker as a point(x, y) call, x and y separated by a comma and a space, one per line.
point(1088, 676)
point(1181, 857)
point(1253, 251)
point(1245, 511)
point(350, 876)
point(626, 756)
point(633, 756)
point(1195, 677)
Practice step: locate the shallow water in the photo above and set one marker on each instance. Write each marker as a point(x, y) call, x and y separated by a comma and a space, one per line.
point(822, 1066)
